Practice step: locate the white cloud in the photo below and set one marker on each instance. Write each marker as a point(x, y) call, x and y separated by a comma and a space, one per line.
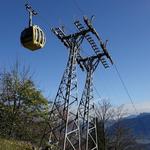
point(140, 107)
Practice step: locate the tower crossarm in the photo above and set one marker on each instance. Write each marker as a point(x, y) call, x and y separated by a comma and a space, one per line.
point(82, 61)
point(91, 41)
point(102, 44)
point(68, 39)
point(61, 35)
point(77, 34)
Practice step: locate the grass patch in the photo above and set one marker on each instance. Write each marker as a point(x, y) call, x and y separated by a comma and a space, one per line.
point(14, 145)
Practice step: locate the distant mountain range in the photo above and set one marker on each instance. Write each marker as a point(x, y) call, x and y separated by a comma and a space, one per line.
point(140, 125)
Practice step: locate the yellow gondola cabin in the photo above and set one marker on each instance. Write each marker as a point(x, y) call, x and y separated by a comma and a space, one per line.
point(33, 38)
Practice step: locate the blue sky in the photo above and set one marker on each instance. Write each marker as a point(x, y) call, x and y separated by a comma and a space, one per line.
point(125, 23)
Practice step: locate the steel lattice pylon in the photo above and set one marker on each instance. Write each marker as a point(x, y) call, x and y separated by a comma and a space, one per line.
point(63, 120)
point(72, 124)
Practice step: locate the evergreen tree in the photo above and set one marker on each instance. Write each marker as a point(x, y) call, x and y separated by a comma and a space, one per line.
point(23, 108)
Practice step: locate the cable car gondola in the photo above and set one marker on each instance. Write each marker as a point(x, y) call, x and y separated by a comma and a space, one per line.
point(33, 37)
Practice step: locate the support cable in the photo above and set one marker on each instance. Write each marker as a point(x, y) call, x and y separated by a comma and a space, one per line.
point(130, 98)
point(125, 88)
point(39, 15)
point(118, 73)
point(78, 7)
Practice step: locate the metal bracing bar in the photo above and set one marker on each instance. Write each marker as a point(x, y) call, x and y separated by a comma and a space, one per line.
point(71, 143)
point(94, 148)
point(72, 131)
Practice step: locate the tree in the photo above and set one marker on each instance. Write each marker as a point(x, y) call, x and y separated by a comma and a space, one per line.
point(112, 134)
point(105, 114)
point(121, 135)
point(23, 108)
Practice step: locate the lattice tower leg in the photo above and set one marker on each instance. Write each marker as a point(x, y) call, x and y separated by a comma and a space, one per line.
point(64, 125)
point(86, 112)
